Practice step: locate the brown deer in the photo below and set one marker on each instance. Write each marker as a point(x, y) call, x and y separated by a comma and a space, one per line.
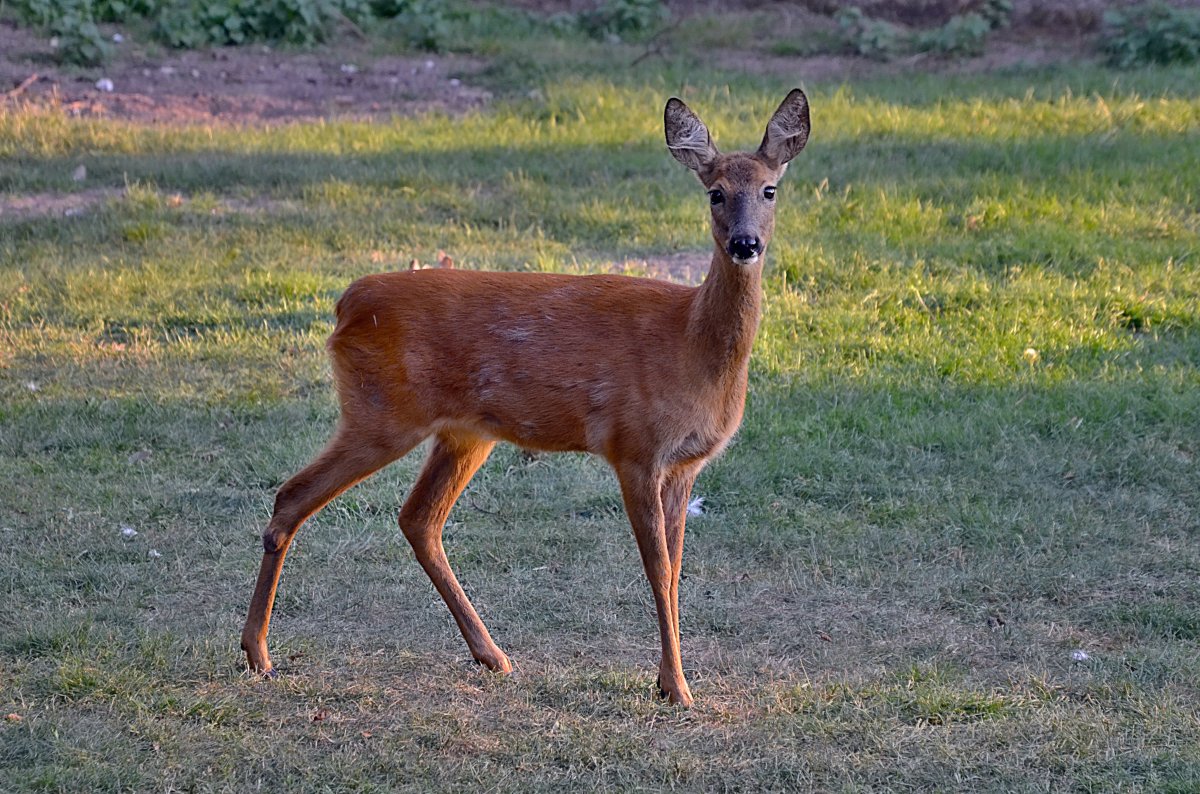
point(649, 375)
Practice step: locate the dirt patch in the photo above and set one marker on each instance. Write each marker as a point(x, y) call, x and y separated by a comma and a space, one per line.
point(243, 84)
point(683, 267)
point(53, 205)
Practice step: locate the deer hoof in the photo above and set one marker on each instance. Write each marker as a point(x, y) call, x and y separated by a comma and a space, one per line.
point(682, 698)
point(496, 662)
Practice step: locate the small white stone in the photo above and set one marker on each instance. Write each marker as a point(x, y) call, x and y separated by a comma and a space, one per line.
point(155, 553)
point(128, 531)
point(105, 85)
point(454, 81)
point(118, 38)
point(696, 506)
point(1080, 655)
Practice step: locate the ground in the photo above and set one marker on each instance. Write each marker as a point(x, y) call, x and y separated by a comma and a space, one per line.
point(253, 84)
point(953, 546)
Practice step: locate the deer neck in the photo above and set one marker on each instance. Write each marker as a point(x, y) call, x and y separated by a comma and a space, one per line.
point(725, 314)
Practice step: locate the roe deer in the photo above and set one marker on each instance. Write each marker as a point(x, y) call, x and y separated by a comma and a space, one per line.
point(647, 374)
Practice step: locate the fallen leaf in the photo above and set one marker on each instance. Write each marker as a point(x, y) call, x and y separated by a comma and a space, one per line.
point(321, 715)
point(13, 717)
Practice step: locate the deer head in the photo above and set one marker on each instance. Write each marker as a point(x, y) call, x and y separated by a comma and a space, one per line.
point(741, 185)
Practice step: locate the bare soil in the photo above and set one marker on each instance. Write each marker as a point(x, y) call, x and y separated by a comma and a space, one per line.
point(244, 84)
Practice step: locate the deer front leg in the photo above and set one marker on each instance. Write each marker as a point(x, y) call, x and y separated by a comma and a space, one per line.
point(452, 462)
point(640, 487)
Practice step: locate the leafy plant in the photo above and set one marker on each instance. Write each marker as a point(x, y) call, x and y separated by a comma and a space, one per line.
point(963, 34)
point(623, 18)
point(870, 37)
point(424, 24)
point(72, 23)
point(1153, 33)
point(998, 13)
point(196, 23)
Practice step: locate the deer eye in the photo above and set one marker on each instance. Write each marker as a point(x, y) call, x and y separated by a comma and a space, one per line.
point(716, 197)
point(769, 192)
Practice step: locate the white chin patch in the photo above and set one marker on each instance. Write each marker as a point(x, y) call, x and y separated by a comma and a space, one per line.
point(739, 261)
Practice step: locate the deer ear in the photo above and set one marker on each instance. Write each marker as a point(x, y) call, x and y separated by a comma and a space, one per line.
point(787, 131)
point(687, 137)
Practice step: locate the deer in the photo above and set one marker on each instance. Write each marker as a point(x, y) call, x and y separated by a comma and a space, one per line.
point(649, 375)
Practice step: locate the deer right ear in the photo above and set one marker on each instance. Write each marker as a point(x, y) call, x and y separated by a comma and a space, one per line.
point(687, 137)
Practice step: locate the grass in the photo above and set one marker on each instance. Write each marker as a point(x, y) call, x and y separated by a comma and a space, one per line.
point(969, 451)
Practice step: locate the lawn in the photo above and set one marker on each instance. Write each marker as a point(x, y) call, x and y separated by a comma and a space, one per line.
point(953, 547)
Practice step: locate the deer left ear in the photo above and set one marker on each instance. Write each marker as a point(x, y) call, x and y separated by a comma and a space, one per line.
point(787, 131)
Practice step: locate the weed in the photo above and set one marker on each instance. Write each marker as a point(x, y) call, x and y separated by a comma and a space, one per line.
point(623, 18)
point(1151, 33)
point(963, 34)
point(869, 37)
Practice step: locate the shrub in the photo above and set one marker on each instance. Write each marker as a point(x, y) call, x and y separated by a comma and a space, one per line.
point(197, 23)
point(1154, 33)
point(623, 18)
point(424, 24)
point(870, 37)
point(963, 34)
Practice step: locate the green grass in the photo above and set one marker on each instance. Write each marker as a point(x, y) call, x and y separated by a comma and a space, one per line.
point(969, 450)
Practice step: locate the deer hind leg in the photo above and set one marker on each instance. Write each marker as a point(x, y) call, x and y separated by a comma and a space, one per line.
point(641, 489)
point(452, 462)
point(350, 457)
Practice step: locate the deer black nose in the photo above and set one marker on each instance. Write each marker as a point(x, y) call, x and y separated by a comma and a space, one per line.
point(745, 247)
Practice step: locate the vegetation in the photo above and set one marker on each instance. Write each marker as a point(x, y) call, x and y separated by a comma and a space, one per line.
point(424, 24)
point(952, 548)
point(961, 35)
point(1152, 33)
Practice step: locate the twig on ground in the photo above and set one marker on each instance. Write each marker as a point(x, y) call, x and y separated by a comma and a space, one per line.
point(20, 89)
